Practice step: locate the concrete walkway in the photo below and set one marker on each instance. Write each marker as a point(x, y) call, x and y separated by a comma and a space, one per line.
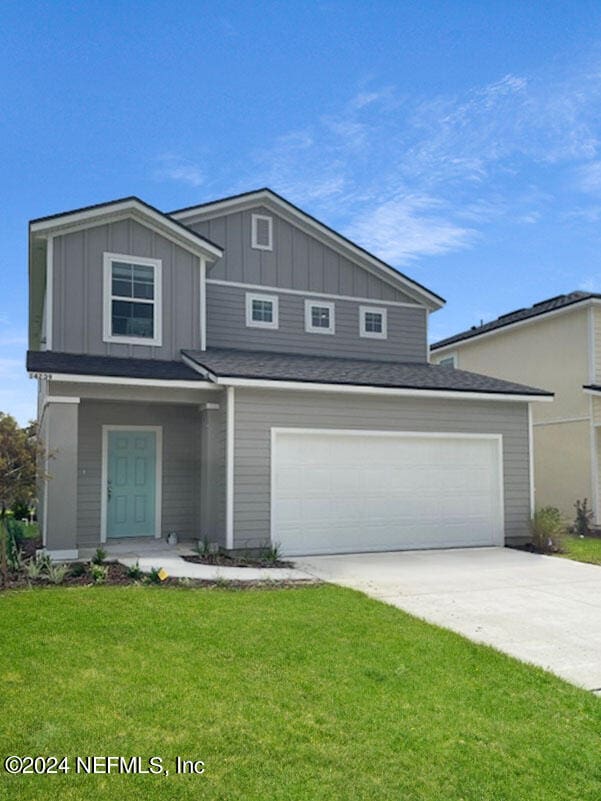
point(540, 609)
point(156, 553)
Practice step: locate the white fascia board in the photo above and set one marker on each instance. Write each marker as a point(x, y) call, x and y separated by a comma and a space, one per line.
point(111, 212)
point(357, 389)
point(72, 378)
point(581, 304)
point(384, 271)
point(200, 369)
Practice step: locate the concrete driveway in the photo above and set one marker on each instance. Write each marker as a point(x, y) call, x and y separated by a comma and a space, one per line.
point(541, 609)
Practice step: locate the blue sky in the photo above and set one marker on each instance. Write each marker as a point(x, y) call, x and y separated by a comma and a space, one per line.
point(460, 141)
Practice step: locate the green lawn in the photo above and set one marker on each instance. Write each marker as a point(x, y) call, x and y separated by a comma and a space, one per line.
point(297, 695)
point(587, 549)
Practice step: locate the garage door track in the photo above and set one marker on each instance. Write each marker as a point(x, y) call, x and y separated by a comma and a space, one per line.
point(540, 609)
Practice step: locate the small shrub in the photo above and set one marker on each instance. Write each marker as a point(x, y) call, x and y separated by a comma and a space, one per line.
point(16, 529)
point(37, 568)
point(584, 518)
point(134, 571)
point(153, 576)
point(99, 556)
point(77, 569)
point(203, 547)
point(56, 573)
point(20, 510)
point(98, 573)
point(272, 552)
point(547, 529)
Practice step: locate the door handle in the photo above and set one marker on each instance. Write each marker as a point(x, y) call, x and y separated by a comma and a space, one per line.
point(109, 490)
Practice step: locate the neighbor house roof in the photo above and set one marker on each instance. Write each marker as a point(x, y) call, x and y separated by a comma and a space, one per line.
point(519, 315)
point(257, 196)
point(218, 363)
point(47, 361)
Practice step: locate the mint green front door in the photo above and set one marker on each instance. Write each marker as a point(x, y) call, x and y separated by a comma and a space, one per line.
point(131, 483)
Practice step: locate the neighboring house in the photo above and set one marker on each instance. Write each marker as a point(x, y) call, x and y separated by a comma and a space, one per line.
point(241, 372)
point(556, 344)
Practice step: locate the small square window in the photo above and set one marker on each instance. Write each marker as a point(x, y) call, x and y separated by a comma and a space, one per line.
point(448, 361)
point(261, 311)
point(319, 317)
point(373, 322)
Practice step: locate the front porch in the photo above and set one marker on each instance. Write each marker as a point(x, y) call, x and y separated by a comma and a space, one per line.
point(129, 465)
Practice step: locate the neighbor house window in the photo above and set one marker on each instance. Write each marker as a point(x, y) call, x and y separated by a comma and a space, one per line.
point(132, 299)
point(319, 317)
point(372, 322)
point(448, 361)
point(261, 232)
point(261, 311)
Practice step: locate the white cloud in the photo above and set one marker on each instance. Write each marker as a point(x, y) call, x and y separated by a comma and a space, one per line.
point(403, 229)
point(175, 168)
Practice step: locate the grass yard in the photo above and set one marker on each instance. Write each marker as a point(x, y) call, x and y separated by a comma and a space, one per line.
point(587, 549)
point(297, 695)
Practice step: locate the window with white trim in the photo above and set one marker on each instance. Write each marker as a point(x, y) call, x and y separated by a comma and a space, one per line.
point(448, 361)
point(261, 310)
point(261, 232)
point(373, 322)
point(319, 317)
point(132, 299)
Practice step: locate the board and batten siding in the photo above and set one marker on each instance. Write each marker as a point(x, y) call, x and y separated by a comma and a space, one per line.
point(78, 290)
point(182, 458)
point(226, 328)
point(297, 261)
point(257, 411)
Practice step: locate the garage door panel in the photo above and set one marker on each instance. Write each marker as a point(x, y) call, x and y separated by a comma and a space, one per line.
point(365, 491)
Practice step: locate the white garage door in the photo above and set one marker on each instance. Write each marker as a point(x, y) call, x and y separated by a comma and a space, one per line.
point(349, 491)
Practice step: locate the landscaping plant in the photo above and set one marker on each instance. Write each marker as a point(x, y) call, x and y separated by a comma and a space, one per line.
point(547, 529)
point(98, 573)
point(20, 453)
point(584, 518)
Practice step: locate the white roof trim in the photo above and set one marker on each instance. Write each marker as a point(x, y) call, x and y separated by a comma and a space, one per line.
point(110, 212)
point(577, 306)
point(358, 389)
point(384, 271)
point(73, 378)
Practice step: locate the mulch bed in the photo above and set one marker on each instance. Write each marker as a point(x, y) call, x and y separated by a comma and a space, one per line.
point(225, 560)
point(117, 577)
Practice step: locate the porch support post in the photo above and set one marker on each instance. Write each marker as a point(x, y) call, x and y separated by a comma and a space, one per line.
point(60, 486)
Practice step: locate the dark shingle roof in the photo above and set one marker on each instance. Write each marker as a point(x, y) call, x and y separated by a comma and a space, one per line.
point(543, 307)
point(47, 361)
point(225, 362)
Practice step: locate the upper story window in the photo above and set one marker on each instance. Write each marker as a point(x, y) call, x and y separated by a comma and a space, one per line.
point(261, 310)
point(373, 322)
point(262, 232)
point(132, 299)
point(449, 361)
point(319, 317)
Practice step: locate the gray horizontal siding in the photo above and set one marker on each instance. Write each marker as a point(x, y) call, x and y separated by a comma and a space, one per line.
point(297, 261)
point(181, 463)
point(78, 291)
point(226, 328)
point(258, 411)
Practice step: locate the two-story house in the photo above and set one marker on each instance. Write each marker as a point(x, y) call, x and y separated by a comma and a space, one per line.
point(241, 372)
point(555, 343)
